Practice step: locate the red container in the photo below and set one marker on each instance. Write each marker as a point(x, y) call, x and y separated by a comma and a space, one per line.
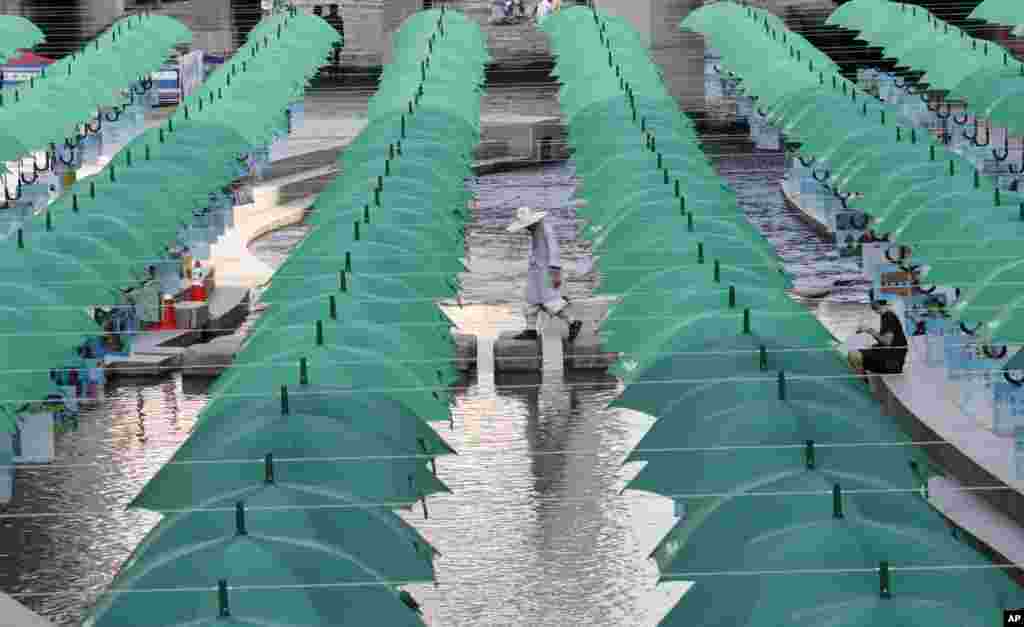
point(197, 293)
point(169, 320)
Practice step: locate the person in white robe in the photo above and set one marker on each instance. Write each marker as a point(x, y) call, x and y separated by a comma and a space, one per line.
point(545, 263)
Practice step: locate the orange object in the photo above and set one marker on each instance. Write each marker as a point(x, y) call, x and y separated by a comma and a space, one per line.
point(169, 320)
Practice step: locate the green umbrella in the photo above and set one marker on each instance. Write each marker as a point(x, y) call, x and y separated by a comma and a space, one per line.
point(920, 597)
point(856, 542)
point(17, 33)
point(384, 472)
point(373, 536)
point(763, 439)
point(999, 12)
point(252, 559)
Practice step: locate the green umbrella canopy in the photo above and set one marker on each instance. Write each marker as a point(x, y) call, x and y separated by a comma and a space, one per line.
point(422, 315)
point(747, 354)
point(68, 279)
point(17, 33)
point(321, 407)
point(37, 332)
point(361, 287)
point(998, 11)
point(88, 249)
point(677, 333)
point(990, 298)
point(390, 224)
point(381, 371)
point(687, 231)
point(374, 258)
point(798, 497)
point(255, 560)
point(985, 87)
point(919, 597)
point(43, 113)
point(379, 472)
point(651, 194)
point(370, 338)
point(373, 536)
point(964, 216)
point(688, 335)
point(654, 250)
point(770, 440)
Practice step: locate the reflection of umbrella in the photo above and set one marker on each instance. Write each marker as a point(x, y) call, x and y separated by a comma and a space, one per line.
point(253, 559)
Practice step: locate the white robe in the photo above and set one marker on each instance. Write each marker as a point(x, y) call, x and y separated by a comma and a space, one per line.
point(544, 255)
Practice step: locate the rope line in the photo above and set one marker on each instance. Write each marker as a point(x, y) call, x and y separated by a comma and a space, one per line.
point(397, 583)
point(425, 457)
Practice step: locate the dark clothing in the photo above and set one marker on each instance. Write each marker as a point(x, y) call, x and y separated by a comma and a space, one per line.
point(889, 359)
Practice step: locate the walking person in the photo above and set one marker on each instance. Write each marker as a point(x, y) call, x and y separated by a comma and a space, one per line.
point(545, 261)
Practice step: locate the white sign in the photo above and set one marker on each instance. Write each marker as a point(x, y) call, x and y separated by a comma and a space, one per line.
point(32, 439)
point(191, 71)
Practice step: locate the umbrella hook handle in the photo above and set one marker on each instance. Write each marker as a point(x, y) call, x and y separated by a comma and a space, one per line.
point(900, 84)
point(71, 152)
point(917, 90)
point(903, 255)
point(814, 173)
point(993, 352)
point(27, 181)
point(1016, 169)
point(761, 113)
point(1011, 380)
point(7, 194)
point(806, 164)
point(963, 327)
point(974, 138)
point(117, 114)
point(47, 163)
point(930, 290)
point(72, 146)
point(1006, 150)
point(99, 124)
point(959, 121)
point(937, 111)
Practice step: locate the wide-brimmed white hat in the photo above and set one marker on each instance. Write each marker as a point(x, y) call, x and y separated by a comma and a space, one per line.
point(524, 218)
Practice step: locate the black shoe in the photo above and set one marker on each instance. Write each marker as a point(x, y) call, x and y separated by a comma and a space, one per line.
point(530, 334)
point(574, 330)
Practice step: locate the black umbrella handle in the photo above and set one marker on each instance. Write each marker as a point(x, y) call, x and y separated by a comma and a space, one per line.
point(1011, 380)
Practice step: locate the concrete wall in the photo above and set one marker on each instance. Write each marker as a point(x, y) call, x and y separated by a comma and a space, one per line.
point(11, 7)
point(212, 25)
point(101, 13)
point(366, 38)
